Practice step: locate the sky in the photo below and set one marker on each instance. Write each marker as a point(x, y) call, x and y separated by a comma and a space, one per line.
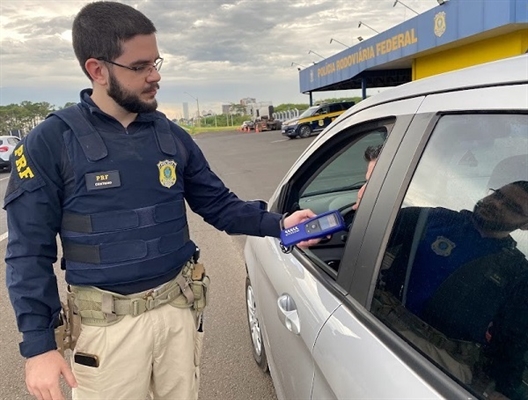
point(216, 51)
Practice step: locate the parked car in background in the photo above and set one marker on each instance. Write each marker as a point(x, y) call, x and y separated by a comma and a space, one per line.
point(314, 119)
point(424, 295)
point(7, 145)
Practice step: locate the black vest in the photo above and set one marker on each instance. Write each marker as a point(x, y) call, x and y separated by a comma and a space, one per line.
point(124, 216)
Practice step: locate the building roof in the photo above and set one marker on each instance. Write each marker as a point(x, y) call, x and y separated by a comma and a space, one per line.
point(386, 59)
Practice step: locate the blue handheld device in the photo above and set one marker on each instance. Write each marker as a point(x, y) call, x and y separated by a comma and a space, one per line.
point(319, 226)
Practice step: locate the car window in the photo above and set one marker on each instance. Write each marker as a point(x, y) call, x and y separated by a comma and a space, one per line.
point(330, 180)
point(453, 281)
point(336, 183)
point(13, 141)
point(309, 112)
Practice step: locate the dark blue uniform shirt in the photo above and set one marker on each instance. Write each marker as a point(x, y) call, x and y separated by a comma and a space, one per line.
point(450, 241)
point(52, 178)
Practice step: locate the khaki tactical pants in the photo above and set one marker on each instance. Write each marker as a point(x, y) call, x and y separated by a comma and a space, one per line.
point(156, 353)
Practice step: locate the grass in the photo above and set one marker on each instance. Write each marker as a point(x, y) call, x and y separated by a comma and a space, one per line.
point(193, 130)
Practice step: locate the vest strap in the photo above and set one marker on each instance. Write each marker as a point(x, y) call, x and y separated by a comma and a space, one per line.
point(124, 219)
point(123, 251)
point(165, 137)
point(91, 142)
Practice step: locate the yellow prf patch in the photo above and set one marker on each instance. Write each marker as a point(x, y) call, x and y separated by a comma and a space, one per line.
point(167, 173)
point(24, 172)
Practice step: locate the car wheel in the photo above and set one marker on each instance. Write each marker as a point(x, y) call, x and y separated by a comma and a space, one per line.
point(259, 354)
point(305, 131)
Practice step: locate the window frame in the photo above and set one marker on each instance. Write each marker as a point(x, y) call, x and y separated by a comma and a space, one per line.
point(311, 168)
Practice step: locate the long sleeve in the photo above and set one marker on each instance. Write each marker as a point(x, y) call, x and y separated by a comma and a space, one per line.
point(33, 210)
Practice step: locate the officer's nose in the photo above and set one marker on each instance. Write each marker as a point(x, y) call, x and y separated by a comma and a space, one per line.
point(154, 76)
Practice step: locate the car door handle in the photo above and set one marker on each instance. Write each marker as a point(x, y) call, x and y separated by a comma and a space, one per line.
point(288, 315)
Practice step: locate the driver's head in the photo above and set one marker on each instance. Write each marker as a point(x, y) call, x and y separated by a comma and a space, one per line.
point(371, 156)
point(504, 210)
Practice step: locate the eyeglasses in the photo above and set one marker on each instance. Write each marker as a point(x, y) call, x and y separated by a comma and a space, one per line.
point(144, 69)
point(510, 205)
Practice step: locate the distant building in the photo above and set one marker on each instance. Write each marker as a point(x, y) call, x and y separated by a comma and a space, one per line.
point(185, 110)
point(247, 100)
point(226, 108)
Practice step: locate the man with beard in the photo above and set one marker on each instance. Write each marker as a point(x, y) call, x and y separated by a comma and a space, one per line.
point(452, 239)
point(462, 274)
point(111, 176)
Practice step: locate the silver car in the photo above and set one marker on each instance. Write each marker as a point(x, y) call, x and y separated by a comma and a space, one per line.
point(7, 145)
point(425, 294)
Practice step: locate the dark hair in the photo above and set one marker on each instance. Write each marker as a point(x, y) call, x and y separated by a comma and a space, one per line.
point(521, 184)
point(372, 152)
point(100, 29)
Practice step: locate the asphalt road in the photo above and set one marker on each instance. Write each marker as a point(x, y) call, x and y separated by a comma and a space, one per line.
point(251, 165)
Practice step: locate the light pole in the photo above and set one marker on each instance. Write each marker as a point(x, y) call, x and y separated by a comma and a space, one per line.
point(405, 5)
point(341, 43)
point(294, 63)
point(313, 52)
point(197, 107)
point(362, 23)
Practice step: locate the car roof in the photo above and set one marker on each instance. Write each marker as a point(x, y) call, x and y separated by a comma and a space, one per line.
point(507, 71)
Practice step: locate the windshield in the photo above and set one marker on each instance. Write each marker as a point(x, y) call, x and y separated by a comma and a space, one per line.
point(309, 112)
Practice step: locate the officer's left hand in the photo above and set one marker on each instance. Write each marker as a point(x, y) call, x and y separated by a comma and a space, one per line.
point(296, 218)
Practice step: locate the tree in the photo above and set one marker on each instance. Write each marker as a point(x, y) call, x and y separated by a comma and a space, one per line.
point(23, 117)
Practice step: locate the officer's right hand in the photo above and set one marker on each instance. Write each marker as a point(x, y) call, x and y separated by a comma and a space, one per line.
point(43, 374)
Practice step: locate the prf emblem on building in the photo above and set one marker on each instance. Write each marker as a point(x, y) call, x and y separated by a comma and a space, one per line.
point(167, 173)
point(440, 23)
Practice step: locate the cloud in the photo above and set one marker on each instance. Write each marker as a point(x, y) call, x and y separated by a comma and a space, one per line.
point(218, 50)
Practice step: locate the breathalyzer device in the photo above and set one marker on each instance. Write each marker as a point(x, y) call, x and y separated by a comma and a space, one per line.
point(319, 226)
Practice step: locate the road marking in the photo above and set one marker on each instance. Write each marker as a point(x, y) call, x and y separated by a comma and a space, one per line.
point(3, 179)
point(278, 141)
point(3, 237)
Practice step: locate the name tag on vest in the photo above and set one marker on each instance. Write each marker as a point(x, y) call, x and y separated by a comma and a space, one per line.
point(102, 180)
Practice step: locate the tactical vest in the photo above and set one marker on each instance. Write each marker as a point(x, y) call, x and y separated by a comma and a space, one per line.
point(124, 216)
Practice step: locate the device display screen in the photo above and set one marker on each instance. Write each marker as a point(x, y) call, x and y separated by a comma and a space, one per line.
point(328, 222)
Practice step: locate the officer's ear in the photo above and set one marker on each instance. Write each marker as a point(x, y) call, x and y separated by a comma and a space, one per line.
point(97, 70)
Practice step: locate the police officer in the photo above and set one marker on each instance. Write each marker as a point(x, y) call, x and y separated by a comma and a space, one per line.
point(111, 175)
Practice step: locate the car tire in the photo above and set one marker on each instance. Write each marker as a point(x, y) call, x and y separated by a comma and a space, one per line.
point(305, 131)
point(255, 333)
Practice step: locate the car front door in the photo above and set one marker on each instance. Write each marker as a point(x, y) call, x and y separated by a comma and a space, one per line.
point(298, 291)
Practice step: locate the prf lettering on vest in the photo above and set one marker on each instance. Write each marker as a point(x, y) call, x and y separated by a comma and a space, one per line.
point(24, 172)
point(101, 177)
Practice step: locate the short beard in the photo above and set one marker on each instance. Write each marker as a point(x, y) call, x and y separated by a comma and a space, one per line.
point(492, 225)
point(128, 101)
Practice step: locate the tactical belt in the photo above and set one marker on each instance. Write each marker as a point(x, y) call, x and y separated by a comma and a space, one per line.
point(389, 309)
point(101, 308)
